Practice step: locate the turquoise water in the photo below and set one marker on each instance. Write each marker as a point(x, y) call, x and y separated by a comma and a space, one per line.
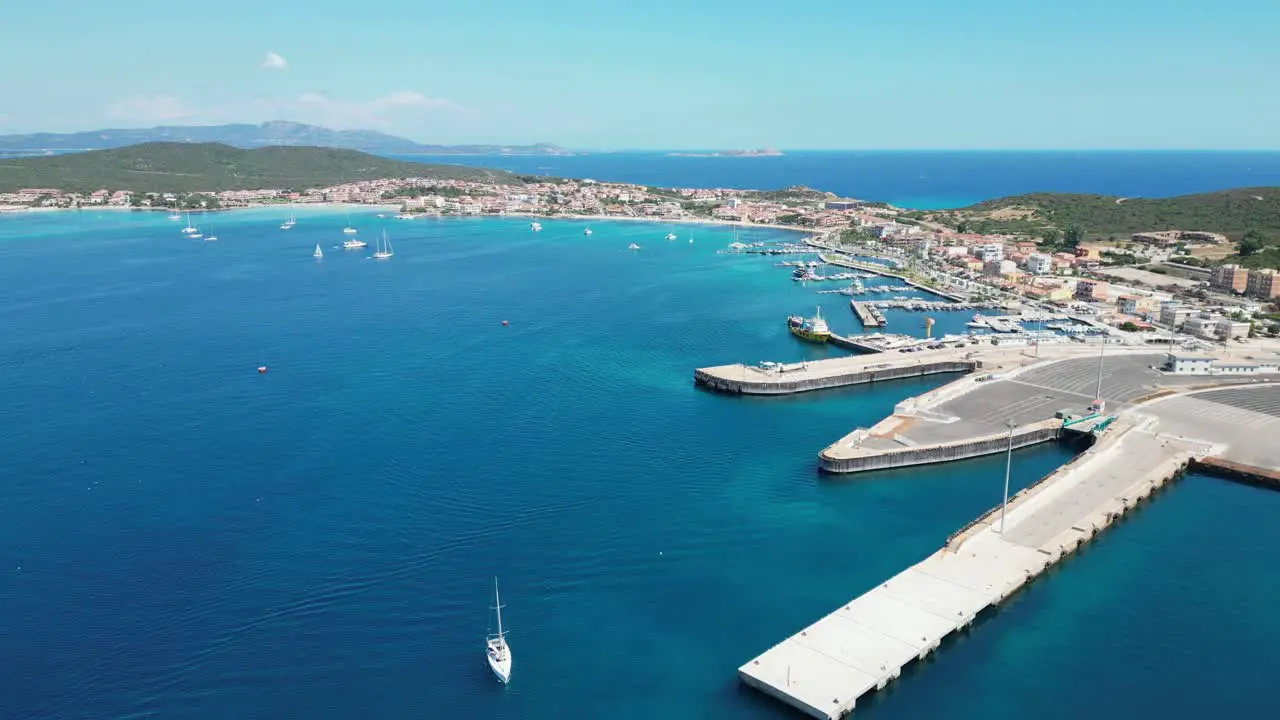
point(181, 536)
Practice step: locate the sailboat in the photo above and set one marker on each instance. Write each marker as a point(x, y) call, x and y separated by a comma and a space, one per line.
point(287, 224)
point(384, 251)
point(318, 253)
point(497, 651)
point(174, 215)
point(210, 237)
point(189, 229)
point(348, 229)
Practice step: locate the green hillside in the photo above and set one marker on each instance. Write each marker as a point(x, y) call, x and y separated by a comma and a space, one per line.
point(1230, 212)
point(193, 167)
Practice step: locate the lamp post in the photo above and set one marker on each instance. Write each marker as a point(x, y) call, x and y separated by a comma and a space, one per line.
point(1101, 357)
point(1008, 462)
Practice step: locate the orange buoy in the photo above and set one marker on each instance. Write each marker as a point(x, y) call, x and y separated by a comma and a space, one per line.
point(505, 323)
point(262, 369)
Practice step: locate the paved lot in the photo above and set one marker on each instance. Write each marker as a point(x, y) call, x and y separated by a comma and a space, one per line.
point(1246, 420)
point(1124, 377)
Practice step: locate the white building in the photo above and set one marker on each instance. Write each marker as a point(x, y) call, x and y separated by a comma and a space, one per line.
point(1188, 364)
point(1228, 328)
point(1039, 264)
point(1203, 325)
point(989, 252)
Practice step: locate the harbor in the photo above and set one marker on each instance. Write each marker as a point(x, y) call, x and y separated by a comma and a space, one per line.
point(1143, 429)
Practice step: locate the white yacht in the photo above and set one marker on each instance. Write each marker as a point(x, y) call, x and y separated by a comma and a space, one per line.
point(671, 236)
point(189, 229)
point(633, 246)
point(354, 244)
point(587, 231)
point(384, 251)
point(348, 230)
point(497, 651)
point(318, 253)
point(288, 224)
point(535, 226)
point(210, 237)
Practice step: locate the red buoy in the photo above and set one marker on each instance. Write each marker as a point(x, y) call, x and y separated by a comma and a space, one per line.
point(505, 323)
point(262, 369)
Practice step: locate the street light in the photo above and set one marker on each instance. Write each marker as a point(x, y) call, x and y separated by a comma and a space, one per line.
point(1101, 356)
point(1008, 461)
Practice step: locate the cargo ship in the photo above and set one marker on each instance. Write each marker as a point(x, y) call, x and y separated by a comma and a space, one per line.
point(813, 329)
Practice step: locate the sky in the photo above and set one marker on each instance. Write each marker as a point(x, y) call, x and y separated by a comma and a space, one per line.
point(805, 74)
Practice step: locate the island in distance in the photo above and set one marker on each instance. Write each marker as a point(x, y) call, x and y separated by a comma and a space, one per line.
point(247, 136)
point(762, 152)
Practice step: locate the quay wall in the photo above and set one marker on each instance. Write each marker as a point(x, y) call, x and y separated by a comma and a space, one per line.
point(1239, 472)
point(779, 385)
point(944, 452)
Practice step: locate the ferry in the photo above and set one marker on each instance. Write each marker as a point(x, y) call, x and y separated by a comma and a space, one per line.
point(813, 329)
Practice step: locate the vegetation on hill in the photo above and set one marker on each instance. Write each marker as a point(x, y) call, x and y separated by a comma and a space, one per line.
point(194, 167)
point(1230, 212)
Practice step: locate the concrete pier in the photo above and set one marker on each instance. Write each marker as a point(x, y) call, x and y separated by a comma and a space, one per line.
point(849, 456)
point(864, 645)
point(742, 379)
point(865, 316)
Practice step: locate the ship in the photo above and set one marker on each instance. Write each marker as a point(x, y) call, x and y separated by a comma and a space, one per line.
point(813, 329)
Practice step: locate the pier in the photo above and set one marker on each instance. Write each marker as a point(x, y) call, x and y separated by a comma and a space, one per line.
point(786, 379)
point(1154, 427)
point(865, 314)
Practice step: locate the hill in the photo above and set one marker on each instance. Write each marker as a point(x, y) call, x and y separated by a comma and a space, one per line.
point(193, 167)
point(269, 134)
point(1230, 212)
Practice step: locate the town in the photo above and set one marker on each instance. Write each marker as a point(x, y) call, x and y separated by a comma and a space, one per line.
point(1172, 291)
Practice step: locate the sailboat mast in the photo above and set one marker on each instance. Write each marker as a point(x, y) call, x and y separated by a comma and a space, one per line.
point(497, 605)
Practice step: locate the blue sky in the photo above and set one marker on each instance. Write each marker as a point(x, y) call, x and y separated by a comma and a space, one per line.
point(663, 74)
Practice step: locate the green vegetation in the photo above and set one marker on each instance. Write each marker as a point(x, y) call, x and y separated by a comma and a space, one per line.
point(192, 167)
point(1230, 212)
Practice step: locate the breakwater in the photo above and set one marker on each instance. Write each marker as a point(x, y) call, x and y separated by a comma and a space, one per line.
point(777, 379)
point(864, 645)
point(866, 315)
point(848, 456)
point(1238, 472)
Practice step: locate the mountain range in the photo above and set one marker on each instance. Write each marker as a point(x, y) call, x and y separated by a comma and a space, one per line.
point(267, 134)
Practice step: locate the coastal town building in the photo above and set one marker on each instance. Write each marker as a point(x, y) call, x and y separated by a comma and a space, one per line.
point(989, 252)
point(1229, 278)
point(1264, 284)
point(1039, 264)
point(1227, 329)
point(1091, 290)
point(1173, 314)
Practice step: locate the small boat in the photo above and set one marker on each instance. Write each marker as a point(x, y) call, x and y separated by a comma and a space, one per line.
point(587, 231)
point(535, 226)
point(350, 230)
point(384, 251)
point(404, 216)
point(813, 329)
point(354, 244)
point(633, 246)
point(196, 235)
point(175, 216)
point(318, 253)
point(189, 228)
point(288, 224)
point(497, 651)
point(671, 236)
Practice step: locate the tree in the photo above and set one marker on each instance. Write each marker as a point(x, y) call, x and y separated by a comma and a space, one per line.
point(1051, 237)
point(962, 226)
point(1252, 242)
point(1073, 236)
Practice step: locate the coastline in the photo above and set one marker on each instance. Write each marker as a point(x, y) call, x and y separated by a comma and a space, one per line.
point(815, 233)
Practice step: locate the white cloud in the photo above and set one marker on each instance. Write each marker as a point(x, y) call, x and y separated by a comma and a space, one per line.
point(274, 62)
point(312, 99)
point(159, 108)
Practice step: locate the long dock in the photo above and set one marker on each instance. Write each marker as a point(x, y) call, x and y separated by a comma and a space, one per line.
point(865, 316)
point(849, 456)
point(862, 646)
point(739, 379)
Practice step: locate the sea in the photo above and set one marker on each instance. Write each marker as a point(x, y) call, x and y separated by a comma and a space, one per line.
point(184, 536)
point(923, 179)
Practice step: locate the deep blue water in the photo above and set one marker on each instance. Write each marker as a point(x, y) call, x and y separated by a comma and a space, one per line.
point(919, 179)
point(181, 536)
